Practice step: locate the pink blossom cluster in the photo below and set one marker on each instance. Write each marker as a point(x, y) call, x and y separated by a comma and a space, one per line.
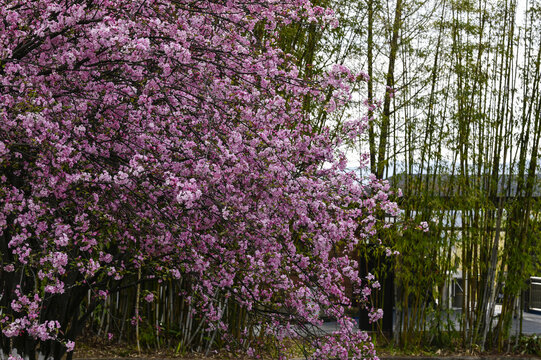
point(170, 137)
point(28, 319)
point(374, 315)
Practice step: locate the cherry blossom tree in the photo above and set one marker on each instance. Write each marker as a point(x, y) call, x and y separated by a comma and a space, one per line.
point(166, 137)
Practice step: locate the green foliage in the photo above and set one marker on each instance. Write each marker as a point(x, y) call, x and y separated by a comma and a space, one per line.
point(528, 345)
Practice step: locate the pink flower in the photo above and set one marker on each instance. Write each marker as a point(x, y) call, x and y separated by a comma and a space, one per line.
point(370, 277)
point(423, 226)
point(9, 268)
point(134, 320)
point(70, 345)
point(374, 315)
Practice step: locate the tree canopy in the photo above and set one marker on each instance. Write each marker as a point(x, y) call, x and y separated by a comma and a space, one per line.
point(169, 138)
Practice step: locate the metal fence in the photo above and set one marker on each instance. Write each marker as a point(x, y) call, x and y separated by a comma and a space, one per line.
point(535, 293)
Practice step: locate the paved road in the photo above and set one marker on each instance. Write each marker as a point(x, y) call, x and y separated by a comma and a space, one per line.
point(531, 324)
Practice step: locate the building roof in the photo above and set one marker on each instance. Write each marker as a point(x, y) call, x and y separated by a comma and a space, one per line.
point(456, 186)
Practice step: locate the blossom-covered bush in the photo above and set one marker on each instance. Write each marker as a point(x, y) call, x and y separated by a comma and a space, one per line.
point(169, 136)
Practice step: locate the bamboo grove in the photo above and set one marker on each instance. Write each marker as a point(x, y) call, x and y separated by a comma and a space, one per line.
point(457, 128)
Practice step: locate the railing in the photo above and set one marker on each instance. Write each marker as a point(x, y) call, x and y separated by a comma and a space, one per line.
point(535, 293)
